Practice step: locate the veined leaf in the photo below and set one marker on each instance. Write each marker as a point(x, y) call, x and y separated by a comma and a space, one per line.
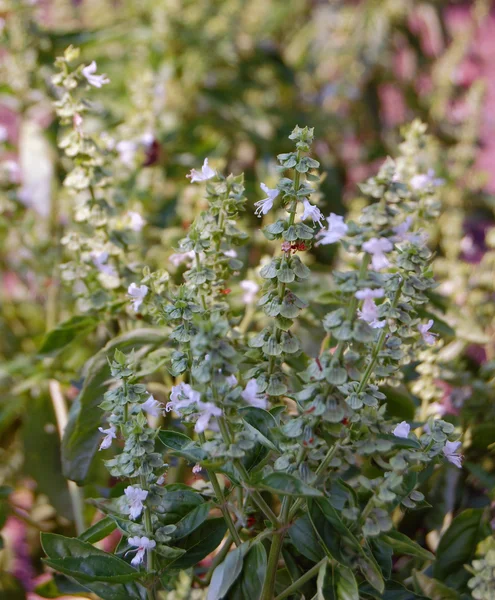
point(65, 333)
point(182, 445)
point(401, 544)
point(226, 573)
point(288, 485)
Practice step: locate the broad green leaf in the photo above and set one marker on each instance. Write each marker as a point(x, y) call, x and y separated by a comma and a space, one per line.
point(288, 485)
point(401, 544)
point(393, 591)
point(434, 589)
point(177, 503)
point(338, 583)
point(305, 540)
point(226, 573)
point(61, 585)
point(182, 445)
point(65, 333)
point(95, 567)
point(250, 582)
point(81, 438)
point(458, 544)
point(200, 543)
point(98, 531)
point(191, 521)
point(261, 423)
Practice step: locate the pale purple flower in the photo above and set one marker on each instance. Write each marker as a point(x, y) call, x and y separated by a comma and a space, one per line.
point(251, 288)
point(182, 396)
point(197, 469)
point(230, 253)
point(402, 430)
point(111, 434)
point(179, 257)
point(451, 454)
point(151, 406)
point(136, 221)
point(161, 479)
point(377, 247)
point(252, 396)
point(135, 497)
point(419, 182)
point(335, 230)
point(137, 294)
point(127, 151)
point(429, 338)
point(95, 80)
point(207, 411)
point(231, 380)
point(312, 212)
point(402, 234)
point(368, 293)
point(206, 173)
point(143, 544)
point(100, 262)
point(265, 205)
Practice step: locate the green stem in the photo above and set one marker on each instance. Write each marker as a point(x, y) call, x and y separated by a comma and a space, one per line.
point(218, 559)
point(302, 580)
point(271, 570)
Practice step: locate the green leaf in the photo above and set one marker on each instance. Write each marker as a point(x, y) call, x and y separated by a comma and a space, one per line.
point(200, 543)
point(401, 544)
point(393, 591)
point(191, 521)
point(182, 445)
point(288, 485)
point(250, 582)
point(337, 585)
point(304, 539)
point(261, 423)
point(98, 531)
point(434, 589)
point(177, 503)
point(65, 333)
point(226, 573)
point(458, 544)
point(81, 438)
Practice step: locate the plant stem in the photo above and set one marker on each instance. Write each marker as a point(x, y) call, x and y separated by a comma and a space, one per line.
point(271, 570)
point(150, 554)
point(302, 580)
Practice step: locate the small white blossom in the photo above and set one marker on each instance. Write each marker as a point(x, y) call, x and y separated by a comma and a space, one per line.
point(251, 288)
point(12, 170)
point(100, 262)
point(179, 257)
point(93, 79)
point(369, 314)
point(312, 212)
point(137, 294)
point(182, 396)
point(197, 469)
point(111, 434)
point(135, 497)
point(136, 221)
point(451, 454)
point(143, 544)
point(160, 480)
point(151, 406)
point(252, 396)
point(419, 182)
point(231, 380)
point(127, 151)
point(335, 230)
point(429, 338)
point(230, 253)
point(207, 410)
point(402, 430)
point(265, 205)
point(367, 293)
point(377, 247)
point(206, 173)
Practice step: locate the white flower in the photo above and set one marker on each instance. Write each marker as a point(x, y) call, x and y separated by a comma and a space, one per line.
point(312, 212)
point(377, 248)
point(127, 152)
point(160, 480)
point(402, 430)
point(179, 257)
point(111, 434)
point(207, 410)
point(450, 452)
point(94, 80)
point(12, 170)
point(142, 544)
point(231, 380)
point(182, 396)
point(263, 206)
point(137, 293)
point(402, 234)
point(252, 396)
point(135, 497)
point(429, 338)
point(136, 220)
point(335, 230)
point(419, 182)
point(197, 469)
point(99, 260)
point(251, 288)
point(369, 314)
point(367, 293)
point(206, 173)
point(151, 406)
point(230, 253)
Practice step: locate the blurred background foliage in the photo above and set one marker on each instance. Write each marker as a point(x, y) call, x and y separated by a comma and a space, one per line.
point(229, 79)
